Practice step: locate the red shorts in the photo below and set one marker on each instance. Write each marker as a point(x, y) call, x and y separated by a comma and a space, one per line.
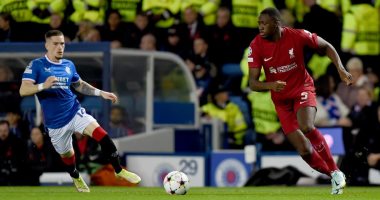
point(287, 109)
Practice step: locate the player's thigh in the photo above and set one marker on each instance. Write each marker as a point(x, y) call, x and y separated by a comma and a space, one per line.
point(306, 118)
point(287, 116)
point(61, 139)
point(84, 123)
point(305, 106)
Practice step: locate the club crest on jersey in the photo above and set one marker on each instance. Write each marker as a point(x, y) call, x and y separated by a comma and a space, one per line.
point(291, 53)
point(67, 69)
point(272, 70)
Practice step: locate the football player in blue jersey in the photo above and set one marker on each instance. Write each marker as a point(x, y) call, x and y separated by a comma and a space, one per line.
point(50, 78)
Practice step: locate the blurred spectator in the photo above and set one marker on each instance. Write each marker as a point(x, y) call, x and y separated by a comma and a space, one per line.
point(361, 122)
point(93, 36)
point(17, 125)
point(375, 82)
point(84, 28)
point(148, 42)
point(87, 33)
point(337, 7)
point(244, 15)
point(164, 13)
point(203, 80)
point(330, 29)
point(57, 23)
point(192, 27)
point(223, 40)
point(361, 32)
point(113, 30)
point(288, 19)
point(221, 108)
point(42, 10)
point(136, 30)
point(22, 16)
point(40, 19)
point(6, 74)
point(348, 94)
point(128, 9)
point(41, 156)
point(9, 95)
point(12, 157)
point(118, 123)
point(205, 8)
point(200, 54)
point(174, 43)
point(329, 105)
point(5, 27)
point(202, 69)
point(93, 11)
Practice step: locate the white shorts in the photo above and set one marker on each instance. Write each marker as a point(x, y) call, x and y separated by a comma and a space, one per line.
point(62, 137)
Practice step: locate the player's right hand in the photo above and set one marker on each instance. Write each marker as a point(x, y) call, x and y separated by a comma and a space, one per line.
point(50, 82)
point(278, 86)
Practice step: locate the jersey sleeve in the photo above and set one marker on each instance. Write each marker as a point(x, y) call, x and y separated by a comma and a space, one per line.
point(254, 58)
point(31, 71)
point(76, 76)
point(308, 39)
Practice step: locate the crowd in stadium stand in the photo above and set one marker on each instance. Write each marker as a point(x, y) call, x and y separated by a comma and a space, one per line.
point(207, 35)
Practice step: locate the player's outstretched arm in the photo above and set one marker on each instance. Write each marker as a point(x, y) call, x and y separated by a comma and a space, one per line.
point(258, 86)
point(87, 89)
point(326, 48)
point(29, 88)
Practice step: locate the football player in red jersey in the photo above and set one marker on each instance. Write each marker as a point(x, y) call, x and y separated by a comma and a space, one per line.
point(279, 50)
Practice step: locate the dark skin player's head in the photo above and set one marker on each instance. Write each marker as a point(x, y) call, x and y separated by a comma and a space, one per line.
point(270, 24)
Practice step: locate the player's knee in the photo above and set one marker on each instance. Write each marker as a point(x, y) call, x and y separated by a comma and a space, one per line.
point(306, 128)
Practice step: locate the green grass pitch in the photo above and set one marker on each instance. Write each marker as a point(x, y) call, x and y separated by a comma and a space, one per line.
point(209, 193)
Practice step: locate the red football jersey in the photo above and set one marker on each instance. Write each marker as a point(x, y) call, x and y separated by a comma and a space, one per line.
point(283, 60)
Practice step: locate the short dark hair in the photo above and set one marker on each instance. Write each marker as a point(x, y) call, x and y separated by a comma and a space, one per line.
point(4, 122)
point(273, 13)
point(52, 33)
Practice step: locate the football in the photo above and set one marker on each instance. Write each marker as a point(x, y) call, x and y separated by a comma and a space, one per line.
point(176, 183)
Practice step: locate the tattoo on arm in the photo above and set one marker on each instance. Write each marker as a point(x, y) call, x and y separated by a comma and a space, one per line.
point(76, 84)
point(84, 88)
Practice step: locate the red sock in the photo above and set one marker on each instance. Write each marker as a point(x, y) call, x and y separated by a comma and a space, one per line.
point(98, 134)
point(316, 162)
point(69, 160)
point(70, 166)
point(321, 147)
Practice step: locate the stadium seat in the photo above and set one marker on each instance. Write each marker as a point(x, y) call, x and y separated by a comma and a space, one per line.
point(232, 75)
point(232, 69)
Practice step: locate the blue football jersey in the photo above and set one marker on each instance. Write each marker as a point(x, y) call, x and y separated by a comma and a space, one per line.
point(59, 104)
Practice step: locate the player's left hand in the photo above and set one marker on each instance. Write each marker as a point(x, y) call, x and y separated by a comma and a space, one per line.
point(346, 77)
point(109, 95)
